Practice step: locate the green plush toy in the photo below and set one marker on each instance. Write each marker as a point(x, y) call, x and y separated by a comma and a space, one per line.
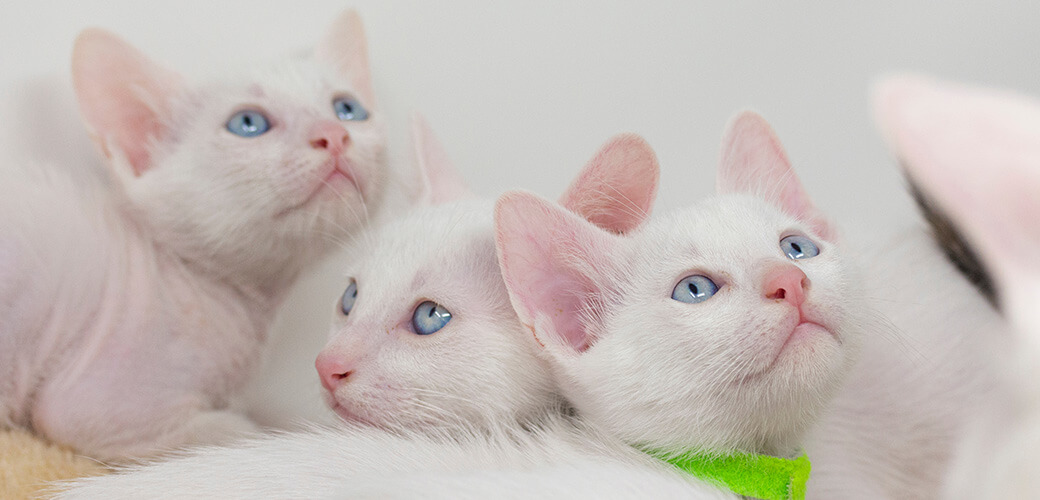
point(757, 476)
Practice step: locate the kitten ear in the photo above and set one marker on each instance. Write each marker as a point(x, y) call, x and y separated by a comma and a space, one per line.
point(977, 153)
point(439, 181)
point(617, 188)
point(124, 97)
point(754, 162)
point(345, 48)
point(550, 258)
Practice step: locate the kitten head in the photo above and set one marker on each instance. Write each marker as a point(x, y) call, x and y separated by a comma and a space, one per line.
point(976, 153)
point(723, 326)
point(251, 173)
point(424, 333)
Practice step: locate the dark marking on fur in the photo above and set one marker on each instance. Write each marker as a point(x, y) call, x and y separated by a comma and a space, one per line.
point(953, 244)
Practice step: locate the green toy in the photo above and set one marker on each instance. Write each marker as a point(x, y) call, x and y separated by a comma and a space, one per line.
point(758, 476)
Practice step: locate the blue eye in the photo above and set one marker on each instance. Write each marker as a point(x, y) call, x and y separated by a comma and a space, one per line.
point(430, 317)
point(799, 247)
point(694, 289)
point(248, 123)
point(346, 302)
point(349, 109)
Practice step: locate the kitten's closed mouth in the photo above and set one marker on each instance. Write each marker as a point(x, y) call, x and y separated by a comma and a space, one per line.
point(334, 174)
point(339, 170)
point(808, 329)
point(348, 415)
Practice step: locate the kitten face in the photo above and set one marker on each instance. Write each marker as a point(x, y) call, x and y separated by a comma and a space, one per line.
point(746, 368)
point(479, 366)
point(299, 177)
point(745, 351)
point(273, 189)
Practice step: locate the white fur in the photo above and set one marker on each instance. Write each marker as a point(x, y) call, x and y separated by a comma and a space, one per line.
point(480, 368)
point(561, 457)
point(135, 302)
point(975, 152)
point(921, 377)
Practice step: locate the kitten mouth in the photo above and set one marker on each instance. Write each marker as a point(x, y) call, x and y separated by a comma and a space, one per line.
point(339, 171)
point(807, 329)
point(335, 175)
point(804, 332)
point(347, 415)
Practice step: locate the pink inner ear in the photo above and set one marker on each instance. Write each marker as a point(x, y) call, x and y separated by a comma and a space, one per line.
point(754, 162)
point(546, 254)
point(617, 188)
point(440, 182)
point(345, 48)
point(124, 97)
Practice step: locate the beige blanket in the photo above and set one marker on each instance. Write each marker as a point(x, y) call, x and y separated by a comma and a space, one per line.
point(27, 463)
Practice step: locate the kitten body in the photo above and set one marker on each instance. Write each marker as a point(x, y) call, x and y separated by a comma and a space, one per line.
point(559, 457)
point(892, 428)
point(135, 302)
point(975, 153)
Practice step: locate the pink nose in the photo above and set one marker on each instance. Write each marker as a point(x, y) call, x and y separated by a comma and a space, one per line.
point(328, 135)
point(786, 282)
point(333, 370)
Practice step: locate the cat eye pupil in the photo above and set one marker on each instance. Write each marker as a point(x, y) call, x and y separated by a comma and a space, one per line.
point(694, 289)
point(248, 124)
point(430, 317)
point(346, 303)
point(799, 247)
point(348, 109)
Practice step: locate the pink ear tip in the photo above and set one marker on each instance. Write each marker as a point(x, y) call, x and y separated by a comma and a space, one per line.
point(635, 144)
point(629, 139)
point(95, 37)
point(894, 101)
point(512, 202)
point(746, 121)
point(515, 208)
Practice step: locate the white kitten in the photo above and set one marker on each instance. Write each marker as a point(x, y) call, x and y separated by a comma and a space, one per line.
point(976, 153)
point(134, 303)
point(424, 343)
point(739, 306)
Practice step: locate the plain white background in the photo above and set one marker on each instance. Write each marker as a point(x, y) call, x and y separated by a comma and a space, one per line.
point(523, 92)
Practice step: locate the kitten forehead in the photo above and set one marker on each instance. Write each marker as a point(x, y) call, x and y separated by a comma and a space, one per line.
point(719, 227)
point(441, 250)
point(290, 81)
